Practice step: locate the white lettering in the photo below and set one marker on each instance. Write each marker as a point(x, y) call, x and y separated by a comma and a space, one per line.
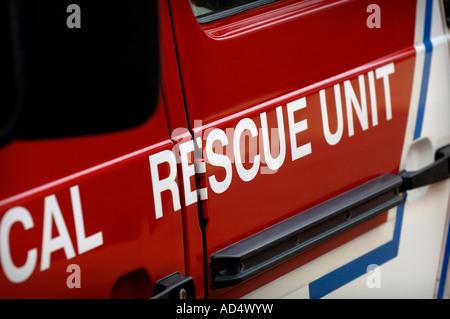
point(271, 162)
point(245, 174)
point(218, 160)
point(52, 212)
point(361, 109)
point(50, 244)
point(84, 243)
point(193, 309)
point(190, 196)
point(384, 73)
point(12, 272)
point(373, 98)
point(168, 183)
point(295, 128)
point(332, 139)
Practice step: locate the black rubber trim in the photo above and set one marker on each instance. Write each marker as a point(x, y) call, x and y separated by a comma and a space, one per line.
point(272, 246)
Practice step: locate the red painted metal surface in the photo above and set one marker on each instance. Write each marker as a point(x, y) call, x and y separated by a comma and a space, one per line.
point(116, 200)
point(112, 173)
point(243, 67)
point(240, 67)
point(177, 125)
point(230, 73)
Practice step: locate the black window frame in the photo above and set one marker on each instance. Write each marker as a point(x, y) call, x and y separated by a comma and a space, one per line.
point(222, 14)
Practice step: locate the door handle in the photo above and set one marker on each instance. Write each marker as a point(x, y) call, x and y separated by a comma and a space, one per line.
point(274, 245)
point(175, 286)
point(435, 172)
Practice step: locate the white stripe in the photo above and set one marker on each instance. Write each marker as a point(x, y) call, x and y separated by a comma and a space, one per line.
point(202, 194)
point(417, 81)
point(420, 22)
point(200, 167)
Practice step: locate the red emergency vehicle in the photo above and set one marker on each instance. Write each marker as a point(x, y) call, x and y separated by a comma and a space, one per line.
point(225, 149)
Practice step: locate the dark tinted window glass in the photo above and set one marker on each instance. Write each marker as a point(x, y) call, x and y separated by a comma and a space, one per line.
point(78, 67)
point(212, 10)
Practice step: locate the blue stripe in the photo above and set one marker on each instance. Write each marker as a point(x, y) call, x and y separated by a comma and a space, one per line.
point(443, 278)
point(358, 267)
point(426, 69)
point(418, 130)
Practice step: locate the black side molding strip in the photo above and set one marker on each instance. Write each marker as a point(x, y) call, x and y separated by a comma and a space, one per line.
point(270, 247)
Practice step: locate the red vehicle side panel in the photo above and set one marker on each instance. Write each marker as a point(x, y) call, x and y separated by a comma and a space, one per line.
point(240, 69)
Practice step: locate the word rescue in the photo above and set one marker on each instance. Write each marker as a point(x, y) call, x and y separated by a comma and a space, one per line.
point(53, 217)
point(247, 126)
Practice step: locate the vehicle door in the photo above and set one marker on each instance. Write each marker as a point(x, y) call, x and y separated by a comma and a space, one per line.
point(83, 212)
point(305, 113)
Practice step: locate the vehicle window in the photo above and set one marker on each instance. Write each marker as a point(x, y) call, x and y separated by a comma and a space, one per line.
point(212, 10)
point(77, 70)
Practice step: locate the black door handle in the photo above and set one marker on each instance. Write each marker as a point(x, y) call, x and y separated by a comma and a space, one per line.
point(175, 286)
point(268, 248)
point(435, 172)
